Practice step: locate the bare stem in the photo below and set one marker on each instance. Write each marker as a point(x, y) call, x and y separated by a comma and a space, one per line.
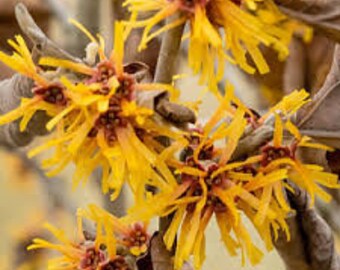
point(252, 141)
point(43, 44)
point(164, 71)
point(319, 118)
point(168, 54)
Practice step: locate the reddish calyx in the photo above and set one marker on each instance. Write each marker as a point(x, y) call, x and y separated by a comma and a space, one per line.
point(271, 153)
point(138, 236)
point(125, 92)
point(53, 94)
point(220, 181)
point(207, 151)
point(91, 259)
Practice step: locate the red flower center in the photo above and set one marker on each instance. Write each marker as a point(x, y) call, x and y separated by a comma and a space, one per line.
point(105, 71)
point(53, 94)
point(271, 153)
point(91, 259)
point(219, 181)
point(137, 237)
point(112, 119)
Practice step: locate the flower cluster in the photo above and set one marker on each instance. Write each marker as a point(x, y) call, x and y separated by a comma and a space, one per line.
point(97, 118)
point(98, 252)
point(211, 184)
point(246, 25)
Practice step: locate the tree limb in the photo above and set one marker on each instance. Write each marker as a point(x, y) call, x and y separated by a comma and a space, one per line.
point(320, 117)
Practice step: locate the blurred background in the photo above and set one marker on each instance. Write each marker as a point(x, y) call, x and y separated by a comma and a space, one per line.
point(28, 198)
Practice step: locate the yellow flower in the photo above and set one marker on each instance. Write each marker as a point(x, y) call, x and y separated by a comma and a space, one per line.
point(99, 253)
point(79, 254)
point(131, 109)
point(260, 23)
point(21, 61)
point(98, 122)
point(133, 236)
point(282, 154)
point(289, 104)
point(47, 96)
point(279, 162)
point(109, 72)
point(209, 185)
point(109, 136)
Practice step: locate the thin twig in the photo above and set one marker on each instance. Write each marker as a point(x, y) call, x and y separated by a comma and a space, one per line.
point(164, 71)
point(319, 118)
point(331, 83)
point(168, 54)
point(44, 45)
point(253, 138)
point(250, 143)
